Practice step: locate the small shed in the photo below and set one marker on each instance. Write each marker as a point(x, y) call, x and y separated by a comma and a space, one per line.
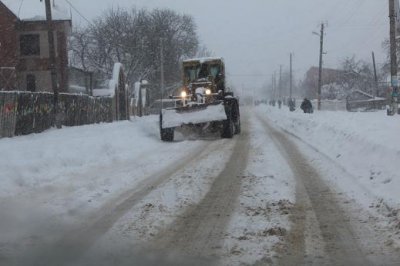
point(359, 100)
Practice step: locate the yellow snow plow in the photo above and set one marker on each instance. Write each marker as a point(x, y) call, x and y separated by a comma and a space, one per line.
point(204, 101)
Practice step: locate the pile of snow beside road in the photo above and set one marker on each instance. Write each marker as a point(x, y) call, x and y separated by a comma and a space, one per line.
point(36, 160)
point(365, 144)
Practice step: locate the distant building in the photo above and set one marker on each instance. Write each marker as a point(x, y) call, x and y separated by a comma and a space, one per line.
point(24, 49)
point(329, 76)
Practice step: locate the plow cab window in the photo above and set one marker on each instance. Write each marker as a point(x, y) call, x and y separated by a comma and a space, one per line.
point(191, 73)
point(214, 71)
point(204, 73)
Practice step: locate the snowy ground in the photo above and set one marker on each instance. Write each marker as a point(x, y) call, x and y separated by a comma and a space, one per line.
point(117, 188)
point(364, 144)
point(356, 153)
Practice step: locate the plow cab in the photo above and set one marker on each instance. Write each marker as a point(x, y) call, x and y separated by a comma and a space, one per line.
point(203, 101)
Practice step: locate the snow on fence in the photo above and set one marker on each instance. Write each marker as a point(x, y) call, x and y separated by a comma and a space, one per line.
point(351, 106)
point(23, 113)
point(367, 105)
point(329, 105)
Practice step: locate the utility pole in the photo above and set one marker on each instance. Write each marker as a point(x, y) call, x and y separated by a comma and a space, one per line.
point(162, 70)
point(91, 83)
point(291, 76)
point(274, 86)
point(280, 82)
point(375, 75)
point(320, 65)
point(393, 60)
point(140, 101)
point(52, 55)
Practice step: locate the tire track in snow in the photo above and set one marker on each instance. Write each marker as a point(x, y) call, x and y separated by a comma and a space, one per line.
point(199, 232)
point(313, 196)
point(74, 243)
point(345, 172)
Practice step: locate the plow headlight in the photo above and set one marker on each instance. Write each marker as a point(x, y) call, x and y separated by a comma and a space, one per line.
point(208, 92)
point(183, 94)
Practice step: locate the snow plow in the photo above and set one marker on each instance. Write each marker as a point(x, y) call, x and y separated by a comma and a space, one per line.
point(203, 102)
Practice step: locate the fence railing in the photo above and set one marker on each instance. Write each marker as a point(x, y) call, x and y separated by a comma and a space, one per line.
point(23, 113)
point(329, 105)
point(366, 105)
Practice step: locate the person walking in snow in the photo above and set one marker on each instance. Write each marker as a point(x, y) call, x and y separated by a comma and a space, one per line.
point(306, 106)
point(292, 105)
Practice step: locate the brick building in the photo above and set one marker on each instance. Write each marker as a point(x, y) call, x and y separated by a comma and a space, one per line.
point(24, 49)
point(310, 82)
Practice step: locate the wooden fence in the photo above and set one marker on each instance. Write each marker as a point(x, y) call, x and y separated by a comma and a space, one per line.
point(366, 105)
point(23, 113)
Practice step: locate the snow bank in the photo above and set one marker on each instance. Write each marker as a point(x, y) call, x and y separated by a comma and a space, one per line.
point(39, 159)
point(365, 144)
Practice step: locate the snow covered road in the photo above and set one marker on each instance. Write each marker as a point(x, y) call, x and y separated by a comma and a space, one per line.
point(338, 244)
point(113, 194)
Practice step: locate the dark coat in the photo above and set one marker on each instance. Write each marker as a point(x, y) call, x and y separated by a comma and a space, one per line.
point(306, 106)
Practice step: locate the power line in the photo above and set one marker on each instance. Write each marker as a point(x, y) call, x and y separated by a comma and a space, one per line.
point(77, 11)
point(20, 6)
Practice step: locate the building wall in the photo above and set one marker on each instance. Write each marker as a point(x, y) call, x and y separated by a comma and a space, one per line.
point(43, 80)
point(8, 52)
point(39, 65)
point(7, 37)
point(11, 28)
point(311, 79)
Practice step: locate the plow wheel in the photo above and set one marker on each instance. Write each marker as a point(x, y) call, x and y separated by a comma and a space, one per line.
point(228, 127)
point(166, 134)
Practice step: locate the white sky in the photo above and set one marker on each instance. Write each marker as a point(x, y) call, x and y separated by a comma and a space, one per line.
point(256, 36)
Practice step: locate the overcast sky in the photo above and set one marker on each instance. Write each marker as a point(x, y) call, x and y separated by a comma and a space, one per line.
point(256, 36)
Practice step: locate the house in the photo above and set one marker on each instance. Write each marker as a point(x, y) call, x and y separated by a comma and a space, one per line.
point(24, 49)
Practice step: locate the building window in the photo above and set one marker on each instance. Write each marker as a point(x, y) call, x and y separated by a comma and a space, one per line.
point(30, 44)
point(31, 82)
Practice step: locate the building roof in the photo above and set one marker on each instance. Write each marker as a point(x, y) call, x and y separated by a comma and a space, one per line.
point(34, 10)
point(203, 59)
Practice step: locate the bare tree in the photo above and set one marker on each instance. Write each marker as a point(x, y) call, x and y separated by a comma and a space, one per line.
point(134, 38)
point(357, 75)
point(203, 51)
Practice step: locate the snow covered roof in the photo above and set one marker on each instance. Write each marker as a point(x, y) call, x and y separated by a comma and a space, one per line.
point(203, 59)
point(34, 10)
point(363, 93)
point(105, 92)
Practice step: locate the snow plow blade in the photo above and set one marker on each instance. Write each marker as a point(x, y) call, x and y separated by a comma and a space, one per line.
point(172, 118)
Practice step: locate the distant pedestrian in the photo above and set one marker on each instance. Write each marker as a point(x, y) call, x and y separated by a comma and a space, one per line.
point(306, 106)
point(292, 105)
point(279, 104)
